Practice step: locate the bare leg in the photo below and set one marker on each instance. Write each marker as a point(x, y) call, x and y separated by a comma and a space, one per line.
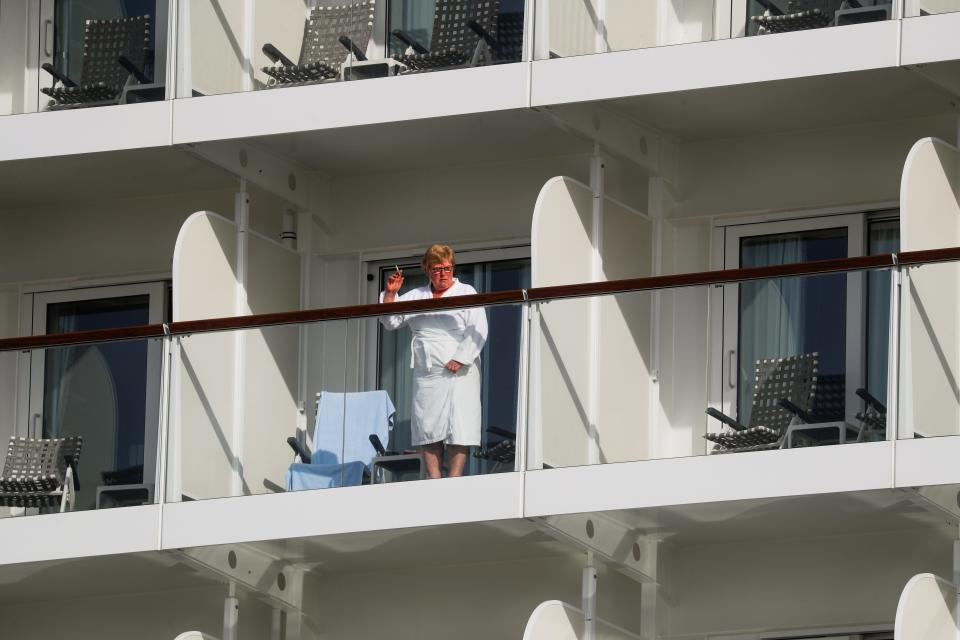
point(433, 458)
point(458, 458)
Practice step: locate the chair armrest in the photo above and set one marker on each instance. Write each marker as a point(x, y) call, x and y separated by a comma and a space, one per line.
point(771, 6)
point(724, 418)
point(276, 56)
point(871, 401)
point(409, 40)
point(49, 68)
point(299, 449)
point(503, 433)
point(381, 450)
point(484, 35)
point(795, 410)
point(72, 463)
point(347, 42)
point(141, 77)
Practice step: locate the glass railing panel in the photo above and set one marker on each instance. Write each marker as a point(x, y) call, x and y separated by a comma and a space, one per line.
point(97, 404)
point(765, 364)
point(270, 44)
point(764, 17)
point(454, 380)
point(367, 400)
point(236, 399)
point(915, 8)
point(576, 27)
point(929, 352)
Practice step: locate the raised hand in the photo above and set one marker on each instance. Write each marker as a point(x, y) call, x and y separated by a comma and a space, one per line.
point(394, 282)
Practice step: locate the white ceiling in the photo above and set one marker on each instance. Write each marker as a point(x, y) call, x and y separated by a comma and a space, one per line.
point(799, 104)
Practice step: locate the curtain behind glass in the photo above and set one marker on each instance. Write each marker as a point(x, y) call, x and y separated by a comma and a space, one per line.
point(790, 316)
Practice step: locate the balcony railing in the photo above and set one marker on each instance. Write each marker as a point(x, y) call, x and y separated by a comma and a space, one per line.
point(583, 374)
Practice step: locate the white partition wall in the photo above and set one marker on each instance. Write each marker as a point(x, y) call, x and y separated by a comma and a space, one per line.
point(927, 610)
point(556, 620)
point(592, 354)
point(235, 393)
point(930, 331)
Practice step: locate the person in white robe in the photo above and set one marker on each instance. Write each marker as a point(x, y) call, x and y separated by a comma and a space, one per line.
point(445, 357)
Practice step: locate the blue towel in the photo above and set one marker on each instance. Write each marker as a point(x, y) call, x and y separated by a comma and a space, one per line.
point(345, 422)
point(341, 439)
point(301, 477)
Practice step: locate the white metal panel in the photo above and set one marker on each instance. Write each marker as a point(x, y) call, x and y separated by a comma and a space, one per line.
point(346, 104)
point(717, 63)
point(61, 133)
point(927, 461)
point(930, 39)
point(79, 534)
point(742, 476)
point(342, 510)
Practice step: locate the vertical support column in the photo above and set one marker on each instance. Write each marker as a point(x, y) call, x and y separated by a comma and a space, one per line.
point(899, 388)
point(231, 613)
point(305, 248)
point(183, 59)
point(596, 274)
point(649, 594)
point(242, 308)
point(601, 44)
point(163, 427)
point(249, 29)
point(657, 207)
point(541, 28)
point(588, 598)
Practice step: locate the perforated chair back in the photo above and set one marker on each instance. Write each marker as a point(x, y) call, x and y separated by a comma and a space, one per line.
point(793, 378)
point(104, 41)
point(450, 18)
point(325, 25)
point(35, 469)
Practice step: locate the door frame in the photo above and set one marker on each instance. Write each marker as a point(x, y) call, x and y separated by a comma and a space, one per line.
point(30, 404)
point(726, 351)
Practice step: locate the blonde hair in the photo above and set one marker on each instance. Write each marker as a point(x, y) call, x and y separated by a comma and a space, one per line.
point(437, 253)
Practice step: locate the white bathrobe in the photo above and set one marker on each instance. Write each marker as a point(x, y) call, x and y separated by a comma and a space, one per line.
point(446, 406)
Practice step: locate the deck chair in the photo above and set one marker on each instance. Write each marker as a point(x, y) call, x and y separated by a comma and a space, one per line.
point(330, 35)
point(783, 395)
point(343, 454)
point(115, 54)
point(464, 34)
point(873, 418)
point(795, 15)
point(503, 453)
point(41, 473)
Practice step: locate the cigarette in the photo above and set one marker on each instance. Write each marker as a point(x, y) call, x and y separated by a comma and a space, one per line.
point(396, 268)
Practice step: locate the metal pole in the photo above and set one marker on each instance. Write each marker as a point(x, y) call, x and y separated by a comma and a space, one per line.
point(588, 597)
point(231, 613)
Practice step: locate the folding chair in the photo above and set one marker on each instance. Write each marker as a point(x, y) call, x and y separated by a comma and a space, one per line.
point(115, 54)
point(41, 473)
point(503, 453)
point(464, 33)
point(860, 11)
point(783, 396)
point(343, 452)
point(330, 35)
point(796, 15)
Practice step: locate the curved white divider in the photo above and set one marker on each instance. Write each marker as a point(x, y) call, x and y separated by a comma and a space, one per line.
point(556, 620)
point(927, 610)
point(194, 635)
point(930, 331)
point(593, 354)
point(235, 393)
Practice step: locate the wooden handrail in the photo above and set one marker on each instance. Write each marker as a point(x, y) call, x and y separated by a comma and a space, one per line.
point(514, 296)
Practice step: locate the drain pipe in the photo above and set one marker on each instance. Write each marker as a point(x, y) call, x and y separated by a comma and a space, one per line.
point(288, 234)
point(588, 597)
point(231, 613)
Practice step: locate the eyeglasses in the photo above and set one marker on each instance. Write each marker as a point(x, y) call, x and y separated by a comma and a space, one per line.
point(438, 270)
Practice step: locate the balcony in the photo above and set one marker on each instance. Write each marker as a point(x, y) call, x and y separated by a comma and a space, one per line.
point(570, 377)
